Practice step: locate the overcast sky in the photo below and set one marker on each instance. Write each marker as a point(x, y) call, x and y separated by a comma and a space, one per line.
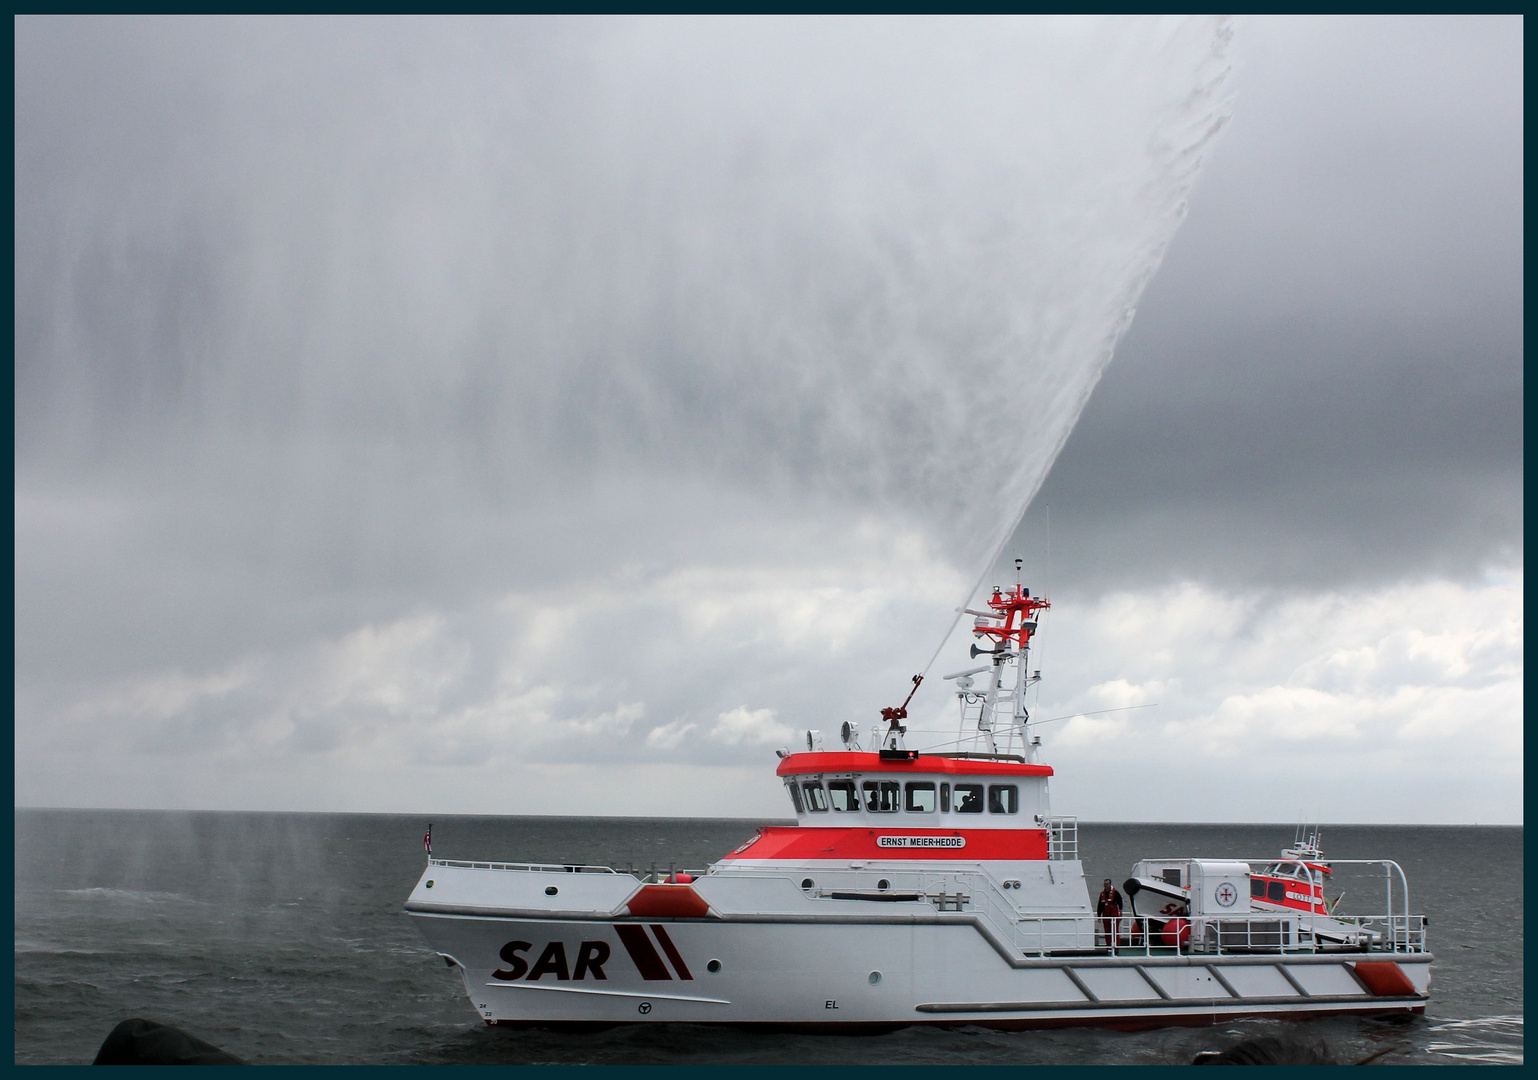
point(555, 416)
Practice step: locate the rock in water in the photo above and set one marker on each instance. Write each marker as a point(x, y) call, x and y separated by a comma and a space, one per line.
point(1269, 1050)
point(144, 1042)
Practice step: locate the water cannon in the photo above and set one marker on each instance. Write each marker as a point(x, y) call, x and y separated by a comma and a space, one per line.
point(892, 716)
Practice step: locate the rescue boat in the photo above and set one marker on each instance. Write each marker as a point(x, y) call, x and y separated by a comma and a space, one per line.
point(918, 886)
point(1296, 883)
point(1160, 889)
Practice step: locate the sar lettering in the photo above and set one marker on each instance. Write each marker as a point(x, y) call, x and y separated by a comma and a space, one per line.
point(551, 962)
point(517, 965)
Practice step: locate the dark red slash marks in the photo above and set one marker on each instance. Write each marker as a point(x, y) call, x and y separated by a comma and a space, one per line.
point(672, 951)
point(644, 954)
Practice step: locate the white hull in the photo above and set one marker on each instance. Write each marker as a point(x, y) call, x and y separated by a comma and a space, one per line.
point(854, 967)
point(815, 975)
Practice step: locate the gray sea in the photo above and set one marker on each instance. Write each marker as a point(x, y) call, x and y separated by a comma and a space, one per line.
point(281, 939)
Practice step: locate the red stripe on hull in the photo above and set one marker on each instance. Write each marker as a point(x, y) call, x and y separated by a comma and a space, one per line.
point(851, 762)
point(788, 842)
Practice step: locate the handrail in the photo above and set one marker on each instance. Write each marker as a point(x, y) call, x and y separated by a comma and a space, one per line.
point(563, 868)
point(1248, 933)
point(655, 875)
point(1390, 867)
point(1062, 839)
point(1040, 933)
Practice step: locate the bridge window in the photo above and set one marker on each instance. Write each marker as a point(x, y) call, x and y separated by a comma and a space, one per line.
point(921, 799)
point(1003, 799)
point(816, 797)
point(843, 795)
point(795, 796)
point(969, 798)
point(881, 796)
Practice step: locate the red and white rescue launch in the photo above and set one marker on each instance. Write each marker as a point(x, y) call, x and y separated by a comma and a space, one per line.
point(925, 887)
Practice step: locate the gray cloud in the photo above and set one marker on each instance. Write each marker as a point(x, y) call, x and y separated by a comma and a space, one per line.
point(1324, 383)
point(322, 321)
point(356, 359)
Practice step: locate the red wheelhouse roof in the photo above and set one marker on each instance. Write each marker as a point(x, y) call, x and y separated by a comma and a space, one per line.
point(849, 761)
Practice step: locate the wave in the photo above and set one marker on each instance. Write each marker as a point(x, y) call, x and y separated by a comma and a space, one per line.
point(139, 896)
point(1485, 1040)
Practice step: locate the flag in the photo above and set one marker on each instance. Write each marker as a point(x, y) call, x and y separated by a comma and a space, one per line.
point(427, 838)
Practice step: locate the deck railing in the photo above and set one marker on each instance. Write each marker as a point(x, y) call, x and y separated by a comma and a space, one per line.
point(543, 868)
point(1043, 933)
point(1255, 932)
point(1063, 839)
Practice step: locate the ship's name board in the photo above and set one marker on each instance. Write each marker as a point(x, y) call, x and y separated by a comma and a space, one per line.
point(921, 841)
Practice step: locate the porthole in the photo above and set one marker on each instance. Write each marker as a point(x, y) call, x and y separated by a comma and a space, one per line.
point(551, 890)
point(429, 883)
point(875, 977)
point(807, 883)
point(713, 966)
point(883, 884)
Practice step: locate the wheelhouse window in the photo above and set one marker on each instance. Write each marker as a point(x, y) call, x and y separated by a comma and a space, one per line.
point(842, 795)
point(1003, 799)
point(1257, 888)
point(882, 796)
point(795, 797)
point(969, 798)
point(1276, 892)
point(816, 797)
point(945, 798)
point(920, 798)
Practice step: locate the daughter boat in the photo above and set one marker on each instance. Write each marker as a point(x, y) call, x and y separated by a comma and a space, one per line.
point(1293, 883)
point(920, 888)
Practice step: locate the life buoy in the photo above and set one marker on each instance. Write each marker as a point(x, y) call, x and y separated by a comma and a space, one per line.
point(1177, 933)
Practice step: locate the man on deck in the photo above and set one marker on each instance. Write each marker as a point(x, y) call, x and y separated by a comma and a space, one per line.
point(1108, 907)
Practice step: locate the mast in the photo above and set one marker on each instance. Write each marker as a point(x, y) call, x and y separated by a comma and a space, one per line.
point(1009, 623)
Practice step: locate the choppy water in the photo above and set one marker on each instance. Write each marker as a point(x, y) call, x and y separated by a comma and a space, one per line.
point(280, 937)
